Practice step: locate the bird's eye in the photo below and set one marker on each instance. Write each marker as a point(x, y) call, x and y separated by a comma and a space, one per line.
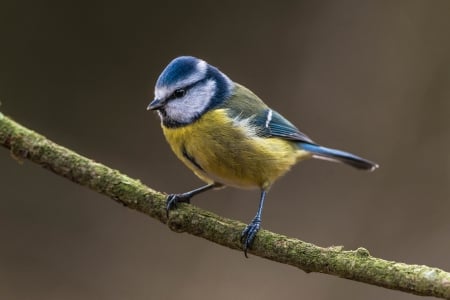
point(179, 93)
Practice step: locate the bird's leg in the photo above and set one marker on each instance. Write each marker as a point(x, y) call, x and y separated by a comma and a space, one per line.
point(249, 233)
point(173, 199)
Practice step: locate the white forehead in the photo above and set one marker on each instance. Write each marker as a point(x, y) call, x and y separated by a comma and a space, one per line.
point(162, 92)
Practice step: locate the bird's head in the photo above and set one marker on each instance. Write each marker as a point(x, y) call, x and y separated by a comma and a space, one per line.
point(186, 89)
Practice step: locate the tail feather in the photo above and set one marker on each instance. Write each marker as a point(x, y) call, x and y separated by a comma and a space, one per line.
point(338, 156)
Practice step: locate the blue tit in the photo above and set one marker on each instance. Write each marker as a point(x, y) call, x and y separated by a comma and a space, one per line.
point(228, 136)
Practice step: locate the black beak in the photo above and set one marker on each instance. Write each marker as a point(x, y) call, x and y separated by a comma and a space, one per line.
point(155, 104)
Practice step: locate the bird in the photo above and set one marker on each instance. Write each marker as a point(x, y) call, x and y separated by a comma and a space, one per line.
point(228, 136)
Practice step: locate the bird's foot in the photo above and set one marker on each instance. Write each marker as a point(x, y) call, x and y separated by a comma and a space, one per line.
point(174, 199)
point(249, 233)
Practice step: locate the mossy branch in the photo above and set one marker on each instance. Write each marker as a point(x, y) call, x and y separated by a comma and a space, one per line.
point(356, 265)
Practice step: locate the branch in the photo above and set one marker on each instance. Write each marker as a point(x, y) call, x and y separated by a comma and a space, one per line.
point(356, 265)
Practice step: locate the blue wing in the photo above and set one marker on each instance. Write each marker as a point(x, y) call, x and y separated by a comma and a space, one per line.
point(271, 124)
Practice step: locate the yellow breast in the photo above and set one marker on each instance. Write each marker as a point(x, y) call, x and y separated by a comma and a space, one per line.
point(220, 149)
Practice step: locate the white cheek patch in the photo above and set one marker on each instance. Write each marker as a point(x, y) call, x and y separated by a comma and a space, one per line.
point(189, 107)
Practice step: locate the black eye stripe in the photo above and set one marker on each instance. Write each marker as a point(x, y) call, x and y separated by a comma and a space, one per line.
point(183, 90)
point(178, 93)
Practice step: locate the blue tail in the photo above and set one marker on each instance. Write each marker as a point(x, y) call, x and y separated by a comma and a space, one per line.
point(338, 156)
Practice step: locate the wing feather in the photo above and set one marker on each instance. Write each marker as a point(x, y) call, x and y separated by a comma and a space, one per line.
point(272, 124)
point(244, 104)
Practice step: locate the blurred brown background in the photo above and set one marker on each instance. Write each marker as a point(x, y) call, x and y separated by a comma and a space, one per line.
point(372, 77)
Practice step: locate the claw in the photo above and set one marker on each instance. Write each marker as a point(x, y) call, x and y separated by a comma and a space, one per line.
point(174, 199)
point(249, 233)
